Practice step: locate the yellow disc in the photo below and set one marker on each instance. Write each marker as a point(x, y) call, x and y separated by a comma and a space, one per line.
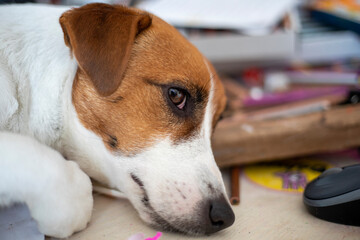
point(290, 176)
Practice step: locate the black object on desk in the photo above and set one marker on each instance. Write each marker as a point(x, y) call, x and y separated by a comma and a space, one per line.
point(336, 20)
point(335, 195)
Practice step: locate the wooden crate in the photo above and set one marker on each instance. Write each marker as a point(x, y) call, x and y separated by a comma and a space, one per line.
point(244, 142)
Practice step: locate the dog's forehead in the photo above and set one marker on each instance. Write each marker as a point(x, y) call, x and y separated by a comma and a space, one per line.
point(166, 56)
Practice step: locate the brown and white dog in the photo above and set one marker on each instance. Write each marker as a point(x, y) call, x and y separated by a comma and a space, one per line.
point(123, 95)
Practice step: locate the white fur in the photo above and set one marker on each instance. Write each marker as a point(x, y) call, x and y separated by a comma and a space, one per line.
point(56, 191)
point(36, 76)
point(35, 69)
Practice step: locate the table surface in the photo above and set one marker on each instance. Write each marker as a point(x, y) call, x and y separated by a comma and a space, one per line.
point(262, 213)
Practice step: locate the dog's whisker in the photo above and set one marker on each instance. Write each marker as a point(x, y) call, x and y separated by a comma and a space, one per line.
point(109, 192)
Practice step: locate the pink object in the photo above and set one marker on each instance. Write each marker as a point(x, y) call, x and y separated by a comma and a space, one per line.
point(295, 95)
point(138, 236)
point(157, 236)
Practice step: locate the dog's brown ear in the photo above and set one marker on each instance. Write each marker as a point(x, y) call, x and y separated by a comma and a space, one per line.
point(101, 38)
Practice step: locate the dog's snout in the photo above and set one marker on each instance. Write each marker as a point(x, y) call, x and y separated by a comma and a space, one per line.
point(220, 215)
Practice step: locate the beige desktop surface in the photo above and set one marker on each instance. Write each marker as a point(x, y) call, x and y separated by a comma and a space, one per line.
point(262, 214)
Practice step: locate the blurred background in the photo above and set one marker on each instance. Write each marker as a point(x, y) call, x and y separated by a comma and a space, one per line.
point(291, 74)
point(269, 53)
point(278, 59)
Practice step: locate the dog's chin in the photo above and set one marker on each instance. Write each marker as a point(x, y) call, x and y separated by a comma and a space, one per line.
point(171, 224)
point(181, 226)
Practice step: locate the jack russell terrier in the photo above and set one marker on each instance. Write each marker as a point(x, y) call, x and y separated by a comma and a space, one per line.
point(114, 94)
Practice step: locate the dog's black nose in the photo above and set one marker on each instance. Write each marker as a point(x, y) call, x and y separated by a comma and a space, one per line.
point(220, 215)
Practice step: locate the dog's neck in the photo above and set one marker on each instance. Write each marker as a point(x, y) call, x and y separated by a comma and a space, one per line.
point(39, 71)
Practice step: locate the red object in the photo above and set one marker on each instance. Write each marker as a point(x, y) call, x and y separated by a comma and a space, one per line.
point(253, 77)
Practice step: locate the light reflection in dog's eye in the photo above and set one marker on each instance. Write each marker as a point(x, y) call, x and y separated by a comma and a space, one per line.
point(178, 97)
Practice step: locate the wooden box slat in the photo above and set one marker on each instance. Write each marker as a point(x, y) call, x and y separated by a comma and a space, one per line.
point(244, 142)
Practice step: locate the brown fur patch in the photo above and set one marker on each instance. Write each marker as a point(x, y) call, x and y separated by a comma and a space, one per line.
point(137, 113)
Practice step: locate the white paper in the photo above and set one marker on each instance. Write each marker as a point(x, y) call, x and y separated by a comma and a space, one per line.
point(17, 224)
point(245, 15)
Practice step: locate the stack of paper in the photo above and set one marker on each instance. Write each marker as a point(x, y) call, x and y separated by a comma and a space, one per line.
point(247, 16)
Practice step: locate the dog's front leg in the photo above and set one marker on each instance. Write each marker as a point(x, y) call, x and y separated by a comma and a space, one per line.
point(57, 192)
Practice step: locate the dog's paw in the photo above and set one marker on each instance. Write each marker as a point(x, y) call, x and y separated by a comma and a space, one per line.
point(65, 204)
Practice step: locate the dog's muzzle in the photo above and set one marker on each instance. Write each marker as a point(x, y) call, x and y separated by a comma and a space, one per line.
point(213, 215)
point(210, 215)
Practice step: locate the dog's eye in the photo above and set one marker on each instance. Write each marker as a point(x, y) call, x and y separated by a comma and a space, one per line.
point(178, 97)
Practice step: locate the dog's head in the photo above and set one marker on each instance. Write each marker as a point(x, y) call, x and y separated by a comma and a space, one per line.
point(146, 103)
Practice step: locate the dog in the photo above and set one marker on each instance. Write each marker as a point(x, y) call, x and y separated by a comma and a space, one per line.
point(114, 94)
